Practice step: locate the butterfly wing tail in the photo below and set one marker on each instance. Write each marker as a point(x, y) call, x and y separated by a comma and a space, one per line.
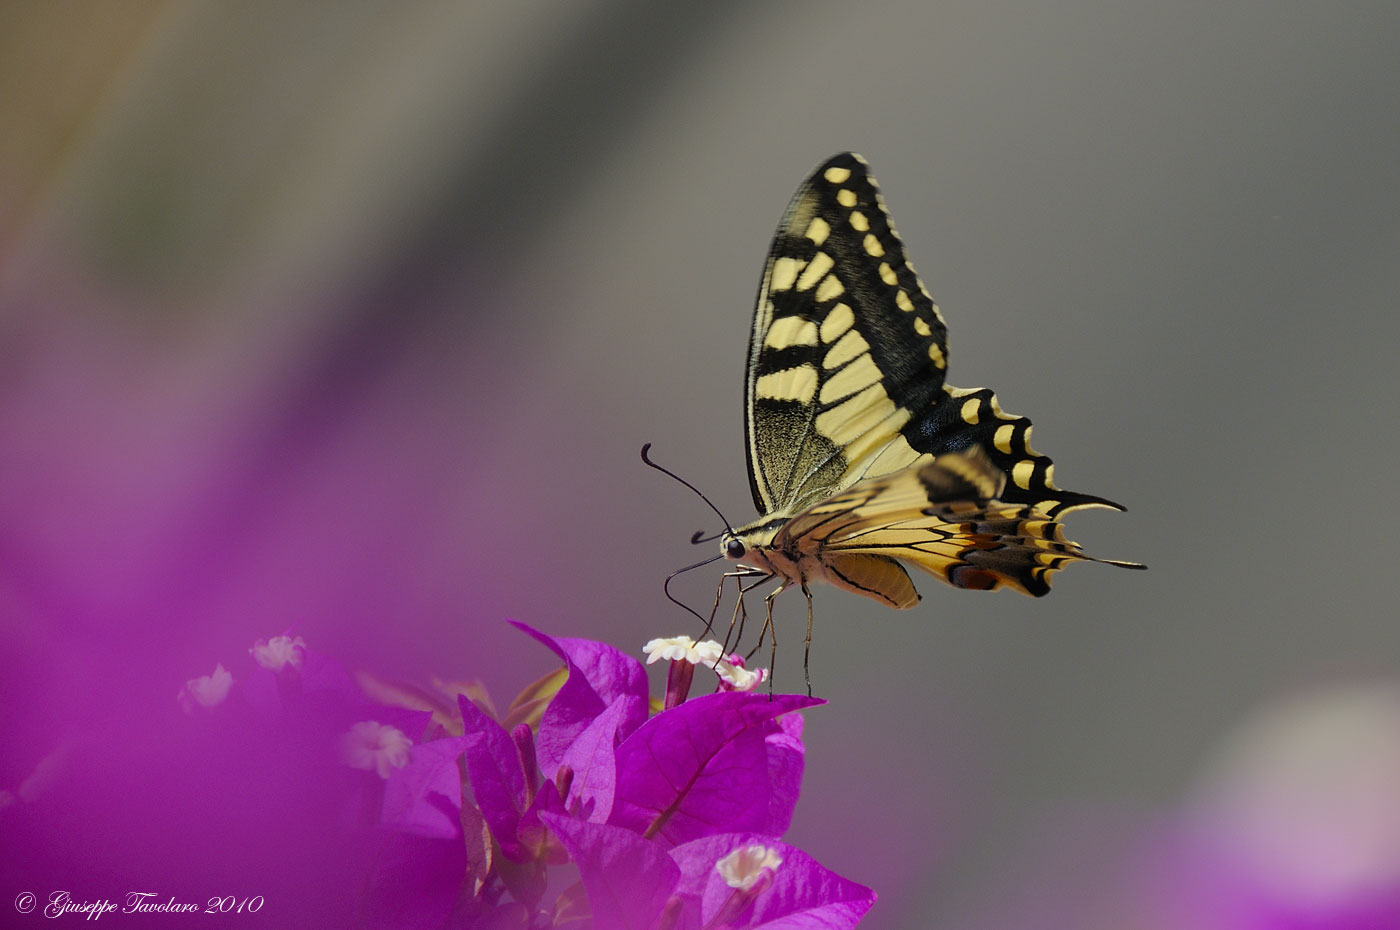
point(981, 546)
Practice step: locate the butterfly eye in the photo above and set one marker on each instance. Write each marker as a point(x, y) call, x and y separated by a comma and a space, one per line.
point(734, 549)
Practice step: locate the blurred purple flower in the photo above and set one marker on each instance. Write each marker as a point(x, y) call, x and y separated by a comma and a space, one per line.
point(628, 879)
point(1293, 824)
point(576, 806)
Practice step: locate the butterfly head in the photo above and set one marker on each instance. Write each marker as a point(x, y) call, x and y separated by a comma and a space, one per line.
point(746, 549)
point(758, 546)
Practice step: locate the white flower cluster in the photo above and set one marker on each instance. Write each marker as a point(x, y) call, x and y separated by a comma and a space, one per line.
point(709, 653)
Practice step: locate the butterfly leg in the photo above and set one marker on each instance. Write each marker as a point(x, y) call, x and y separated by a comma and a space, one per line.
point(770, 630)
point(807, 650)
point(719, 595)
point(741, 612)
point(767, 622)
point(736, 619)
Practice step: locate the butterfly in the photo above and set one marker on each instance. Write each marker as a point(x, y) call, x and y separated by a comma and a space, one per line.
point(862, 460)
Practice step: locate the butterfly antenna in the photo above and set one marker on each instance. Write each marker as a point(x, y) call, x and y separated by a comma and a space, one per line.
point(666, 471)
point(666, 587)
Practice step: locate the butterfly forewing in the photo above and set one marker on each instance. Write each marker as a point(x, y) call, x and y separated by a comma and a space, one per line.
point(846, 344)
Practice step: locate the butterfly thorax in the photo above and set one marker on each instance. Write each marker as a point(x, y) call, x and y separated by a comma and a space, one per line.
point(762, 545)
point(772, 545)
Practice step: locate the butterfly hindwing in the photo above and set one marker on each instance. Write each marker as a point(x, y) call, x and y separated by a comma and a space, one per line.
point(943, 518)
point(967, 418)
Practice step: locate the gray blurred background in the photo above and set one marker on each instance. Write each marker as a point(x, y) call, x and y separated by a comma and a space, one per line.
point(354, 316)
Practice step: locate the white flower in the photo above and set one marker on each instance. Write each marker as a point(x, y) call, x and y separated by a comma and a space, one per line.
point(206, 690)
point(739, 678)
point(375, 747)
point(683, 647)
point(745, 866)
point(278, 652)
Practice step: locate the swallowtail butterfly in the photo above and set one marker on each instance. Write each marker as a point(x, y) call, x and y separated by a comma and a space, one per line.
point(862, 460)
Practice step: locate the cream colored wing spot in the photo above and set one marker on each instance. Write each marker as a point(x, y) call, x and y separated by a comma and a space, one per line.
point(1050, 477)
point(791, 331)
point(1002, 439)
point(1033, 527)
point(846, 422)
point(858, 221)
point(896, 456)
point(970, 409)
point(901, 298)
point(846, 348)
point(799, 384)
point(837, 175)
point(873, 441)
point(868, 432)
point(860, 373)
point(816, 269)
point(784, 274)
point(829, 289)
point(935, 354)
point(1026, 441)
point(887, 274)
point(959, 392)
point(838, 319)
point(873, 246)
point(1021, 473)
point(921, 327)
point(818, 230)
point(847, 198)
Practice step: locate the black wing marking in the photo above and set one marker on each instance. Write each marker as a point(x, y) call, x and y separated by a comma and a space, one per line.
point(966, 418)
